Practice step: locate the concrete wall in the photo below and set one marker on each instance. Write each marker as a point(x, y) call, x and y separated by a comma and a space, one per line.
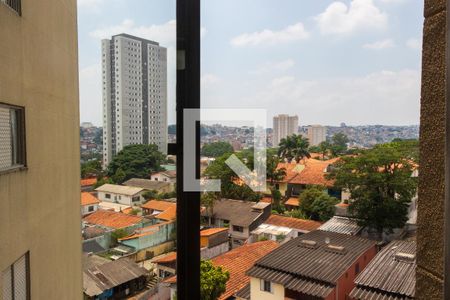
point(121, 199)
point(430, 219)
point(41, 205)
point(208, 253)
point(85, 209)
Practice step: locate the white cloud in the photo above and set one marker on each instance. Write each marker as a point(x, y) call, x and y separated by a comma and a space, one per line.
point(414, 43)
point(387, 97)
point(360, 15)
point(291, 33)
point(394, 1)
point(380, 45)
point(278, 66)
point(91, 94)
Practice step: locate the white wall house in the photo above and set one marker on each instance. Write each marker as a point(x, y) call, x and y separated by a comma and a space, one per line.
point(126, 195)
point(89, 203)
point(165, 176)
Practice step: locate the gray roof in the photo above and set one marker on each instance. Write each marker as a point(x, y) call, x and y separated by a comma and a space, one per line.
point(341, 225)
point(109, 275)
point(390, 275)
point(119, 189)
point(91, 246)
point(244, 293)
point(238, 212)
point(312, 263)
point(146, 184)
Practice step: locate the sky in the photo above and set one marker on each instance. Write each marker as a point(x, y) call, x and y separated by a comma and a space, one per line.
point(352, 61)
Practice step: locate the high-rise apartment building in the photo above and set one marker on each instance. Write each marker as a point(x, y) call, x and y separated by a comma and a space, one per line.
point(134, 94)
point(317, 134)
point(40, 236)
point(283, 125)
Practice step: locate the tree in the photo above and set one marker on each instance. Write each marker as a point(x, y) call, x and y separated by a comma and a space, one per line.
point(316, 204)
point(212, 280)
point(91, 168)
point(135, 161)
point(324, 148)
point(294, 147)
point(207, 200)
point(296, 213)
point(339, 144)
point(118, 234)
point(217, 149)
point(380, 184)
point(231, 185)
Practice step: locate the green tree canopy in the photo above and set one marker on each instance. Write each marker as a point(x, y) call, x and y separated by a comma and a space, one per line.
point(216, 149)
point(338, 145)
point(212, 280)
point(316, 204)
point(135, 161)
point(294, 147)
point(91, 168)
point(380, 184)
point(230, 184)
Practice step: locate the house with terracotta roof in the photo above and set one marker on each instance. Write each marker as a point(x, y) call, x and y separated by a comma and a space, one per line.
point(150, 241)
point(87, 184)
point(316, 265)
point(112, 220)
point(213, 242)
point(126, 195)
point(166, 265)
point(309, 171)
point(89, 203)
point(236, 262)
point(283, 228)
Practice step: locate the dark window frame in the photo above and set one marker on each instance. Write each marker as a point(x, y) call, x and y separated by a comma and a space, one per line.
point(20, 156)
point(27, 273)
point(15, 5)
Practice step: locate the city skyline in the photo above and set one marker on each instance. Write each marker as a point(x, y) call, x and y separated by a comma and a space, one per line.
point(271, 62)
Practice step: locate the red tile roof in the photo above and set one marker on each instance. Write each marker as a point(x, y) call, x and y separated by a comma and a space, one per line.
point(112, 219)
point(292, 201)
point(169, 214)
point(238, 261)
point(309, 171)
point(212, 231)
point(266, 199)
point(290, 222)
point(88, 181)
point(88, 199)
point(148, 230)
point(158, 205)
point(170, 257)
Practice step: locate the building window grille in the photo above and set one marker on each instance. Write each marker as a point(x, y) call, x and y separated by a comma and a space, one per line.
point(12, 137)
point(15, 5)
point(16, 280)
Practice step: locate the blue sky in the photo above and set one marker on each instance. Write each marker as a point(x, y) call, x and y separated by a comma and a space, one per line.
point(352, 61)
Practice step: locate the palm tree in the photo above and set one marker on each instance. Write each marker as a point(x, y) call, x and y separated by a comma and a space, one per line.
point(324, 148)
point(294, 147)
point(273, 172)
point(207, 200)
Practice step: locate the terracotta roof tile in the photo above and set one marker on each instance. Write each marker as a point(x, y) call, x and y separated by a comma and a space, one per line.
point(144, 231)
point(88, 199)
point(212, 231)
point(293, 201)
point(170, 257)
point(290, 222)
point(238, 261)
point(112, 219)
point(88, 181)
point(169, 214)
point(158, 205)
point(309, 171)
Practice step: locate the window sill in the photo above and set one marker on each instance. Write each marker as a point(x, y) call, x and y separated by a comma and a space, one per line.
point(13, 169)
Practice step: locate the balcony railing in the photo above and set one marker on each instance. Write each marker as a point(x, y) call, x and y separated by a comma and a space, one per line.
point(14, 5)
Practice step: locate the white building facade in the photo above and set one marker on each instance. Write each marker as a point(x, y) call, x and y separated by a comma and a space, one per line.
point(317, 134)
point(284, 125)
point(134, 81)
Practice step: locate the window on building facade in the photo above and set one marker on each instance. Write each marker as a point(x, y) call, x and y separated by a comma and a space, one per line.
point(15, 5)
point(12, 137)
point(238, 228)
point(15, 280)
point(266, 286)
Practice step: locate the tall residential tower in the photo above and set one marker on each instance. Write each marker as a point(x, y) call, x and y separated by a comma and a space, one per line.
point(134, 94)
point(317, 134)
point(284, 125)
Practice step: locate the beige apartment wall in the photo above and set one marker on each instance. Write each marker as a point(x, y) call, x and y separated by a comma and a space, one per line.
point(430, 220)
point(257, 294)
point(40, 206)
